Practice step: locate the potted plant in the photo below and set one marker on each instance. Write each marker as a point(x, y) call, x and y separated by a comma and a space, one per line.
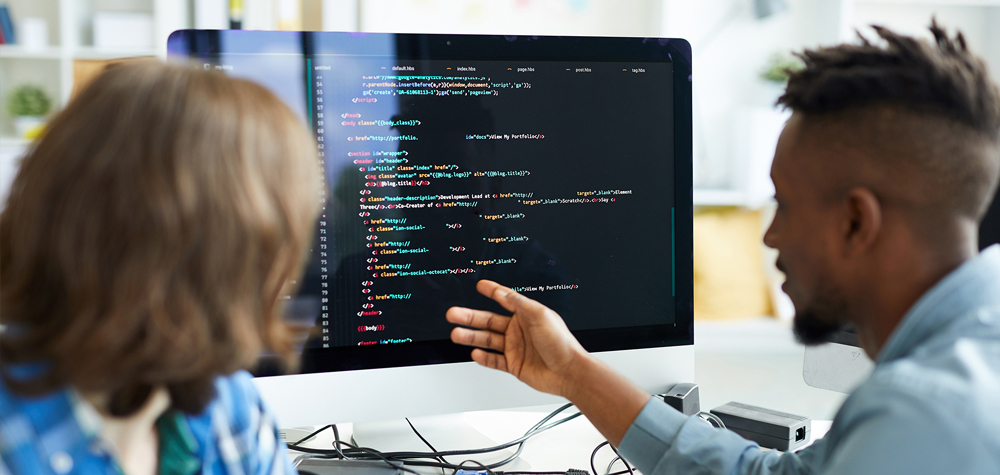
point(28, 104)
point(775, 73)
point(779, 66)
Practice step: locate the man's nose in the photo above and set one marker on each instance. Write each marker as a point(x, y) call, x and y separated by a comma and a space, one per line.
point(771, 237)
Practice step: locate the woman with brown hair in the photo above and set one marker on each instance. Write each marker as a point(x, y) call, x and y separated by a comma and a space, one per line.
point(144, 248)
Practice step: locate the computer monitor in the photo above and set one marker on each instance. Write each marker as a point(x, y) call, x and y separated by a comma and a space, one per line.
point(559, 166)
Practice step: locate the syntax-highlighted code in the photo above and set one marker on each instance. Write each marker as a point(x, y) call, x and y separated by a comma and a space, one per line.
point(544, 288)
point(385, 342)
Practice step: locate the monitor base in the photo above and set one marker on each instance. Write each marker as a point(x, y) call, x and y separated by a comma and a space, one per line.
point(835, 367)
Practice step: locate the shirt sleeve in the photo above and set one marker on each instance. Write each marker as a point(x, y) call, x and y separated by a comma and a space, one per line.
point(662, 441)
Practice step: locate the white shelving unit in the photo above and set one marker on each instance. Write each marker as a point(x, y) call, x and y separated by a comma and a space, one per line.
point(834, 21)
point(967, 3)
point(70, 38)
point(825, 22)
point(51, 67)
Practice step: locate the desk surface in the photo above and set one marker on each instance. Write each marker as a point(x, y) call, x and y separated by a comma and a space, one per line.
point(755, 361)
point(558, 449)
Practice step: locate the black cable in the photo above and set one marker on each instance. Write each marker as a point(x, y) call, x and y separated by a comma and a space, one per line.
point(531, 432)
point(399, 466)
point(557, 472)
point(488, 470)
point(428, 444)
point(529, 473)
point(593, 455)
point(336, 441)
point(407, 458)
point(712, 419)
point(516, 454)
point(623, 461)
point(537, 428)
point(317, 431)
point(380, 456)
point(611, 465)
point(415, 431)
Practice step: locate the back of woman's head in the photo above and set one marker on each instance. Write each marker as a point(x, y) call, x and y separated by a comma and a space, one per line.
point(149, 236)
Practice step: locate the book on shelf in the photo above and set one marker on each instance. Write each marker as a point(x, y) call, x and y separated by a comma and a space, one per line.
point(7, 25)
point(85, 70)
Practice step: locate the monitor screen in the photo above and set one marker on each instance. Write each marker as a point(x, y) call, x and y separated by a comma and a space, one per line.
point(560, 167)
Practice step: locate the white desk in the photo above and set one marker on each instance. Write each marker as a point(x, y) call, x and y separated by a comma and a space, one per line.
point(755, 361)
point(558, 449)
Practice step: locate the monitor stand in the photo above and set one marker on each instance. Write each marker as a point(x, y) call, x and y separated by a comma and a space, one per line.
point(444, 432)
point(835, 367)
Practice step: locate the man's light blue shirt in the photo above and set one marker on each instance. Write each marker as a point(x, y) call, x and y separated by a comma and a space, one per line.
point(932, 404)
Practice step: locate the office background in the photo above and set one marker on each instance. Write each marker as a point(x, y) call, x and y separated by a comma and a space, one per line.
point(744, 348)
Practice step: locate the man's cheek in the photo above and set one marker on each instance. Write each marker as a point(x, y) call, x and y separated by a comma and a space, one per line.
point(795, 287)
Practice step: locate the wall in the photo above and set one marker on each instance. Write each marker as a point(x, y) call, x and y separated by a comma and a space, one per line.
point(513, 17)
point(979, 25)
point(731, 48)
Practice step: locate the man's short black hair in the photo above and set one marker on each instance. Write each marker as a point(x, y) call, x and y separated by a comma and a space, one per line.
point(943, 107)
point(942, 79)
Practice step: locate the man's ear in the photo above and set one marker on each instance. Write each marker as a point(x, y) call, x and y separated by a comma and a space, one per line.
point(862, 220)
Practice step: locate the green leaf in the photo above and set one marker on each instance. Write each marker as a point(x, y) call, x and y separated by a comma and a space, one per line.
point(28, 99)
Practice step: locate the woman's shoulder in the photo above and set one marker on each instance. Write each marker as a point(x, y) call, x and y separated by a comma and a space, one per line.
point(235, 408)
point(237, 402)
point(237, 429)
point(50, 433)
point(237, 391)
point(40, 413)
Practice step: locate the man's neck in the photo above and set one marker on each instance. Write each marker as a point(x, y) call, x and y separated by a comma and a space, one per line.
point(905, 278)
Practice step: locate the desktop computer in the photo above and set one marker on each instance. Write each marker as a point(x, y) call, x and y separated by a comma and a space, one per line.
point(558, 166)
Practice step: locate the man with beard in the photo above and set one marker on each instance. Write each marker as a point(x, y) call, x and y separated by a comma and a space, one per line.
point(882, 174)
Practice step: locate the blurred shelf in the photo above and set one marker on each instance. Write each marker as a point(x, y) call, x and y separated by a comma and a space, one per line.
point(10, 141)
point(73, 20)
point(718, 197)
point(943, 3)
point(81, 52)
point(90, 52)
point(17, 51)
point(726, 197)
point(12, 148)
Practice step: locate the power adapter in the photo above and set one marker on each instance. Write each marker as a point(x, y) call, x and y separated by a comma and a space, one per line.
point(772, 429)
point(327, 466)
point(683, 397)
point(571, 471)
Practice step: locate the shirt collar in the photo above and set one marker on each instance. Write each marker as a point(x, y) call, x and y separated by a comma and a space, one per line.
point(964, 289)
point(90, 422)
point(85, 413)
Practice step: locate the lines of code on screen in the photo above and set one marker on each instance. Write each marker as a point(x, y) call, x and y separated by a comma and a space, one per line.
point(552, 178)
